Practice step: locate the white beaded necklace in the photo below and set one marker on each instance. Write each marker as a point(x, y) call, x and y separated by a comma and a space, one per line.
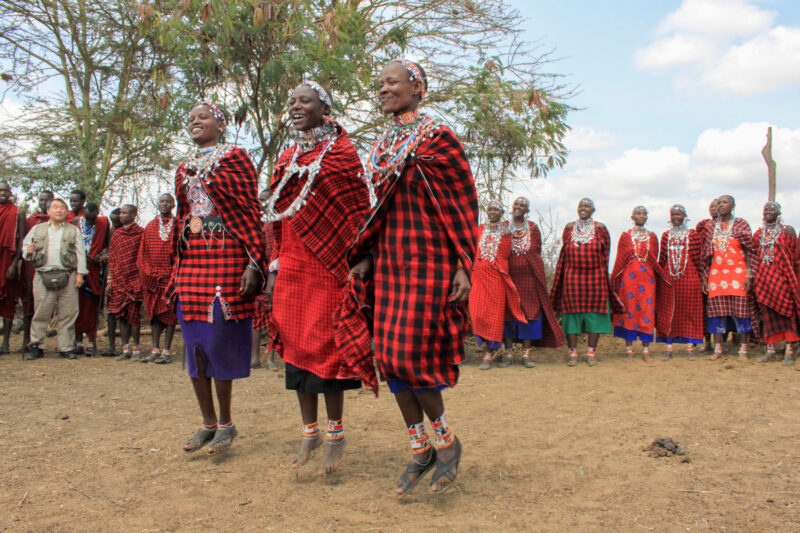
point(678, 250)
point(165, 230)
point(490, 240)
point(521, 238)
point(722, 236)
point(583, 231)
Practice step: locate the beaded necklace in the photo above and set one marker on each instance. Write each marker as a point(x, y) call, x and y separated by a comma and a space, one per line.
point(640, 238)
point(397, 144)
point(308, 140)
point(520, 238)
point(165, 230)
point(490, 240)
point(87, 232)
point(203, 161)
point(678, 250)
point(583, 231)
point(768, 239)
point(722, 235)
point(311, 170)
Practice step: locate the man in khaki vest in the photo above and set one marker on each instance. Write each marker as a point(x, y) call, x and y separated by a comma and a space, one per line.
point(56, 250)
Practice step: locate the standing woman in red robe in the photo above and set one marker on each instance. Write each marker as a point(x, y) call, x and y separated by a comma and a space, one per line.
point(679, 306)
point(634, 282)
point(12, 232)
point(318, 199)
point(95, 232)
point(526, 267)
point(775, 283)
point(125, 298)
point(421, 234)
point(218, 269)
point(581, 290)
point(493, 295)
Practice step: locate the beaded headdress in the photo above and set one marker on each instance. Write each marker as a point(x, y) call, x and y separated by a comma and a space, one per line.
point(497, 204)
point(414, 74)
point(776, 204)
point(319, 89)
point(680, 207)
point(588, 201)
point(217, 111)
point(524, 201)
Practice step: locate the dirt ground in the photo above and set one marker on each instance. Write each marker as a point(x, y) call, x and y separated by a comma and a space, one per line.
point(94, 445)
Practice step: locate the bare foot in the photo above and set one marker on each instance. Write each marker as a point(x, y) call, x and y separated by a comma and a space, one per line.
point(306, 447)
point(332, 456)
point(646, 358)
point(715, 356)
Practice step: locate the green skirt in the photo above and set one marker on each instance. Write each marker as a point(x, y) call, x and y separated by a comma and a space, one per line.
point(576, 323)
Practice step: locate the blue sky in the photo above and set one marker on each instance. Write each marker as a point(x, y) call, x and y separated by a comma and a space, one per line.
point(676, 97)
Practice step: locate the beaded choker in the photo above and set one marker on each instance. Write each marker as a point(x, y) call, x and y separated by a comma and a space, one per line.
point(722, 234)
point(397, 144)
point(490, 241)
point(583, 231)
point(640, 238)
point(678, 250)
point(520, 238)
point(203, 161)
point(311, 170)
point(165, 230)
point(768, 239)
point(308, 140)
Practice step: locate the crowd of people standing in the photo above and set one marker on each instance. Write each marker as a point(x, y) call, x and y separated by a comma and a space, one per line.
point(360, 271)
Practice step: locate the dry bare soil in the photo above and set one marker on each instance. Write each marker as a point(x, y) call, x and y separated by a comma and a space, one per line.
point(94, 445)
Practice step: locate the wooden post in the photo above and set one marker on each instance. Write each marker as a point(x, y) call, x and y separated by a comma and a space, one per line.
point(771, 165)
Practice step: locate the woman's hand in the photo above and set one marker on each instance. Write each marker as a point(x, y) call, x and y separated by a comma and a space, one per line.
point(461, 287)
point(362, 269)
point(249, 283)
point(270, 286)
point(705, 287)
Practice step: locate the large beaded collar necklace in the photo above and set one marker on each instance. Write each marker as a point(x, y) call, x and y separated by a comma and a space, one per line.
point(583, 231)
point(768, 239)
point(165, 230)
point(203, 161)
point(520, 238)
point(640, 238)
point(722, 234)
point(326, 134)
point(308, 140)
point(398, 143)
point(678, 250)
point(87, 232)
point(490, 240)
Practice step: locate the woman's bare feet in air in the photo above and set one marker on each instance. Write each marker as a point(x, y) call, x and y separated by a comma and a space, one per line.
point(332, 456)
point(306, 447)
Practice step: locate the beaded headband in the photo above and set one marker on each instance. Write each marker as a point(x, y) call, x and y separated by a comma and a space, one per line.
point(216, 111)
point(497, 204)
point(319, 89)
point(776, 204)
point(525, 201)
point(588, 201)
point(414, 74)
point(679, 206)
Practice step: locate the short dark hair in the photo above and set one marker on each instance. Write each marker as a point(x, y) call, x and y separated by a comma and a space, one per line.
point(114, 211)
point(47, 192)
point(80, 193)
point(50, 202)
point(91, 207)
point(131, 206)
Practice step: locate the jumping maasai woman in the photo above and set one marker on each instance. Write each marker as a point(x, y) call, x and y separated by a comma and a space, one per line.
point(318, 199)
point(634, 282)
point(775, 283)
point(727, 268)
point(422, 233)
point(526, 267)
point(220, 261)
point(581, 290)
point(679, 307)
point(493, 295)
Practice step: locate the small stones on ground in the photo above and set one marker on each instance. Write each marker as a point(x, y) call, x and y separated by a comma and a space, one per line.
point(666, 447)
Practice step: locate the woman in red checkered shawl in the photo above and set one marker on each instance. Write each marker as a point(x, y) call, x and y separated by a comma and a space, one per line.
point(727, 268)
point(218, 269)
point(679, 306)
point(775, 283)
point(318, 199)
point(634, 282)
point(581, 290)
point(125, 296)
point(493, 295)
point(421, 234)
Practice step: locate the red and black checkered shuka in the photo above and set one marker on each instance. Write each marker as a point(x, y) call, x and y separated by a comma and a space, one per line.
point(155, 269)
point(424, 223)
point(90, 296)
point(263, 305)
point(124, 301)
point(679, 305)
point(581, 281)
point(9, 240)
point(311, 249)
point(204, 263)
point(493, 298)
point(775, 284)
point(527, 273)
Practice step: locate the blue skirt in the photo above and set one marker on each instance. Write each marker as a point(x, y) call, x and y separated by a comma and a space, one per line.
point(223, 346)
point(630, 335)
point(679, 340)
point(524, 331)
point(723, 324)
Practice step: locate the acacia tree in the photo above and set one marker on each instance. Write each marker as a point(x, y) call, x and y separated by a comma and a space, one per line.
point(95, 114)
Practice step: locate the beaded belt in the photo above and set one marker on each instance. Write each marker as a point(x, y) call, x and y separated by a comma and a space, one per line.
point(207, 224)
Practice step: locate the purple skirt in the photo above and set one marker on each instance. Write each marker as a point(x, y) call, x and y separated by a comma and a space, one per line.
point(223, 346)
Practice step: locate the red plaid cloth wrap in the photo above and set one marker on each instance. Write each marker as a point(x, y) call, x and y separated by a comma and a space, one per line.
point(352, 323)
point(233, 188)
point(775, 284)
point(155, 269)
point(679, 304)
point(527, 273)
point(9, 238)
point(493, 298)
point(90, 296)
point(581, 282)
point(424, 223)
point(625, 255)
point(325, 227)
point(263, 306)
point(126, 287)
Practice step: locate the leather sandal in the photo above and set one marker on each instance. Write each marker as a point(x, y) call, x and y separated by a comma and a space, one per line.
point(415, 468)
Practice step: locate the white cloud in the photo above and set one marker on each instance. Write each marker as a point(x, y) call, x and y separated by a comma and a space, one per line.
point(728, 46)
point(585, 139)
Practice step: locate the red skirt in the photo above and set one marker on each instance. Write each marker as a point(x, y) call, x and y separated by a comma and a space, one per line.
point(637, 291)
point(157, 307)
point(492, 301)
point(777, 327)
